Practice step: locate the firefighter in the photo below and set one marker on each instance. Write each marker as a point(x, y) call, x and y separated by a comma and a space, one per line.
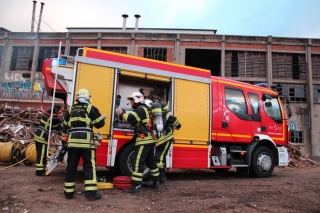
point(164, 142)
point(144, 152)
point(77, 126)
point(41, 138)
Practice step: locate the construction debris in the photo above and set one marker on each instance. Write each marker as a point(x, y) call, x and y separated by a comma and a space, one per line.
point(295, 158)
point(18, 125)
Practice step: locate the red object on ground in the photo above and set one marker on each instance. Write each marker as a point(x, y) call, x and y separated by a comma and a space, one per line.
point(122, 182)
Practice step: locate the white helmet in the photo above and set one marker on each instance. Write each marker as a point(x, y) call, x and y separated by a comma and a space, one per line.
point(83, 93)
point(148, 102)
point(137, 97)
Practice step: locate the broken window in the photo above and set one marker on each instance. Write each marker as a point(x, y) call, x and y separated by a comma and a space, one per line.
point(155, 53)
point(315, 59)
point(73, 51)
point(21, 58)
point(295, 92)
point(289, 66)
point(296, 137)
point(245, 64)
point(1, 50)
point(122, 50)
point(47, 52)
point(316, 93)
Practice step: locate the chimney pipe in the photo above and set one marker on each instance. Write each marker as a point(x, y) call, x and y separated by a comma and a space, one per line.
point(137, 20)
point(125, 16)
point(41, 9)
point(33, 14)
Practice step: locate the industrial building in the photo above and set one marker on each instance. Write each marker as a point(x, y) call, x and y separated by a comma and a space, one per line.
point(290, 65)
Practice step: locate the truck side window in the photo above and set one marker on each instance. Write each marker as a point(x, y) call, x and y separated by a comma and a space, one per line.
point(272, 108)
point(235, 101)
point(254, 102)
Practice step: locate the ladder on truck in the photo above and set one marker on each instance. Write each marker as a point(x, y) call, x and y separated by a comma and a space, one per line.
point(63, 71)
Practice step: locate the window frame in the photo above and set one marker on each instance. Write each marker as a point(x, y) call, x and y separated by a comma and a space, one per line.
point(15, 64)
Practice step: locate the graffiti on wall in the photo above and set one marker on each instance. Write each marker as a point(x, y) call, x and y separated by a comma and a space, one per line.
point(16, 84)
point(24, 85)
point(292, 126)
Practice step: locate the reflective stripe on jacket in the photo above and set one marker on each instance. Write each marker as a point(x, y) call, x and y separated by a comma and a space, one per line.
point(78, 123)
point(41, 135)
point(139, 118)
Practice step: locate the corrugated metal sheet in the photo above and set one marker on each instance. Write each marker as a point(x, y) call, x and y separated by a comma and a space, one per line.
point(100, 82)
point(192, 109)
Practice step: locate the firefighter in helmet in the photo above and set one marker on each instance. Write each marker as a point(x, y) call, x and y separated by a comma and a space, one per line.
point(144, 142)
point(77, 126)
point(164, 142)
point(41, 138)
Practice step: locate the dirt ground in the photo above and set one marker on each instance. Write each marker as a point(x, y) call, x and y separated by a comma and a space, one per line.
point(287, 190)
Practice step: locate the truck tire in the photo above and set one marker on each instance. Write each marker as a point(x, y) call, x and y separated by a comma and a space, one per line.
point(124, 165)
point(262, 162)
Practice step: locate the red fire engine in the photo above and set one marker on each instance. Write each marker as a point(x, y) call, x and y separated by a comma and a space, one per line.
point(225, 123)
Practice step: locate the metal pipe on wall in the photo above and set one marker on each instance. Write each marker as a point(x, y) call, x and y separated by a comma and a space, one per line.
point(33, 15)
point(125, 16)
point(40, 17)
point(137, 21)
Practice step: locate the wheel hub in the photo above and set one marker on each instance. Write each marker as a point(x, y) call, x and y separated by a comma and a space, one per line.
point(130, 163)
point(264, 162)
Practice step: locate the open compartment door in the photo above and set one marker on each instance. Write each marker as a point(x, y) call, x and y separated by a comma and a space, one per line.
point(100, 82)
point(192, 108)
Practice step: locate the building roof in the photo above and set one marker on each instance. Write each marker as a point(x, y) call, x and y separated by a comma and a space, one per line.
point(140, 30)
point(3, 30)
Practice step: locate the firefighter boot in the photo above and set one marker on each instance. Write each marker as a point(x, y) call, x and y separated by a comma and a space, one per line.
point(94, 196)
point(134, 190)
point(156, 183)
point(163, 179)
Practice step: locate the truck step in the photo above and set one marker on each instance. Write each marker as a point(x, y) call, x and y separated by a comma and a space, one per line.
point(239, 165)
point(237, 149)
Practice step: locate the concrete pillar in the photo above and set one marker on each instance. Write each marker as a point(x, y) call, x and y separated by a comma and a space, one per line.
point(99, 41)
point(310, 95)
point(67, 48)
point(35, 58)
point(4, 53)
point(176, 50)
point(223, 57)
point(269, 61)
point(132, 49)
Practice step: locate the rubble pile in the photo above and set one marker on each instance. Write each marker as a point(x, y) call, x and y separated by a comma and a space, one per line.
point(18, 125)
point(295, 158)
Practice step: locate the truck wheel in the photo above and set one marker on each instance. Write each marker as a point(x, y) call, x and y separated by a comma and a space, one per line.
point(262, 162)
point(125, 162)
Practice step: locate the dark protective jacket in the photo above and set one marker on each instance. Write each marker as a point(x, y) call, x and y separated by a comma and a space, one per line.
point(140, 118)
point(78, 123)
point(171, 122)
point(42, 132)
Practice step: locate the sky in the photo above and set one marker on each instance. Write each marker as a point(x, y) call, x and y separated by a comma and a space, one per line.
point(278, 18)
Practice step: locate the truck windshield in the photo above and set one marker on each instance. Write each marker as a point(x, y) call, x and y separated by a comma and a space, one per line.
point(272, 108)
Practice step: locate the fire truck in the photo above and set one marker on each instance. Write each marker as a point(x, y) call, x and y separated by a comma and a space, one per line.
point(225, 123)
